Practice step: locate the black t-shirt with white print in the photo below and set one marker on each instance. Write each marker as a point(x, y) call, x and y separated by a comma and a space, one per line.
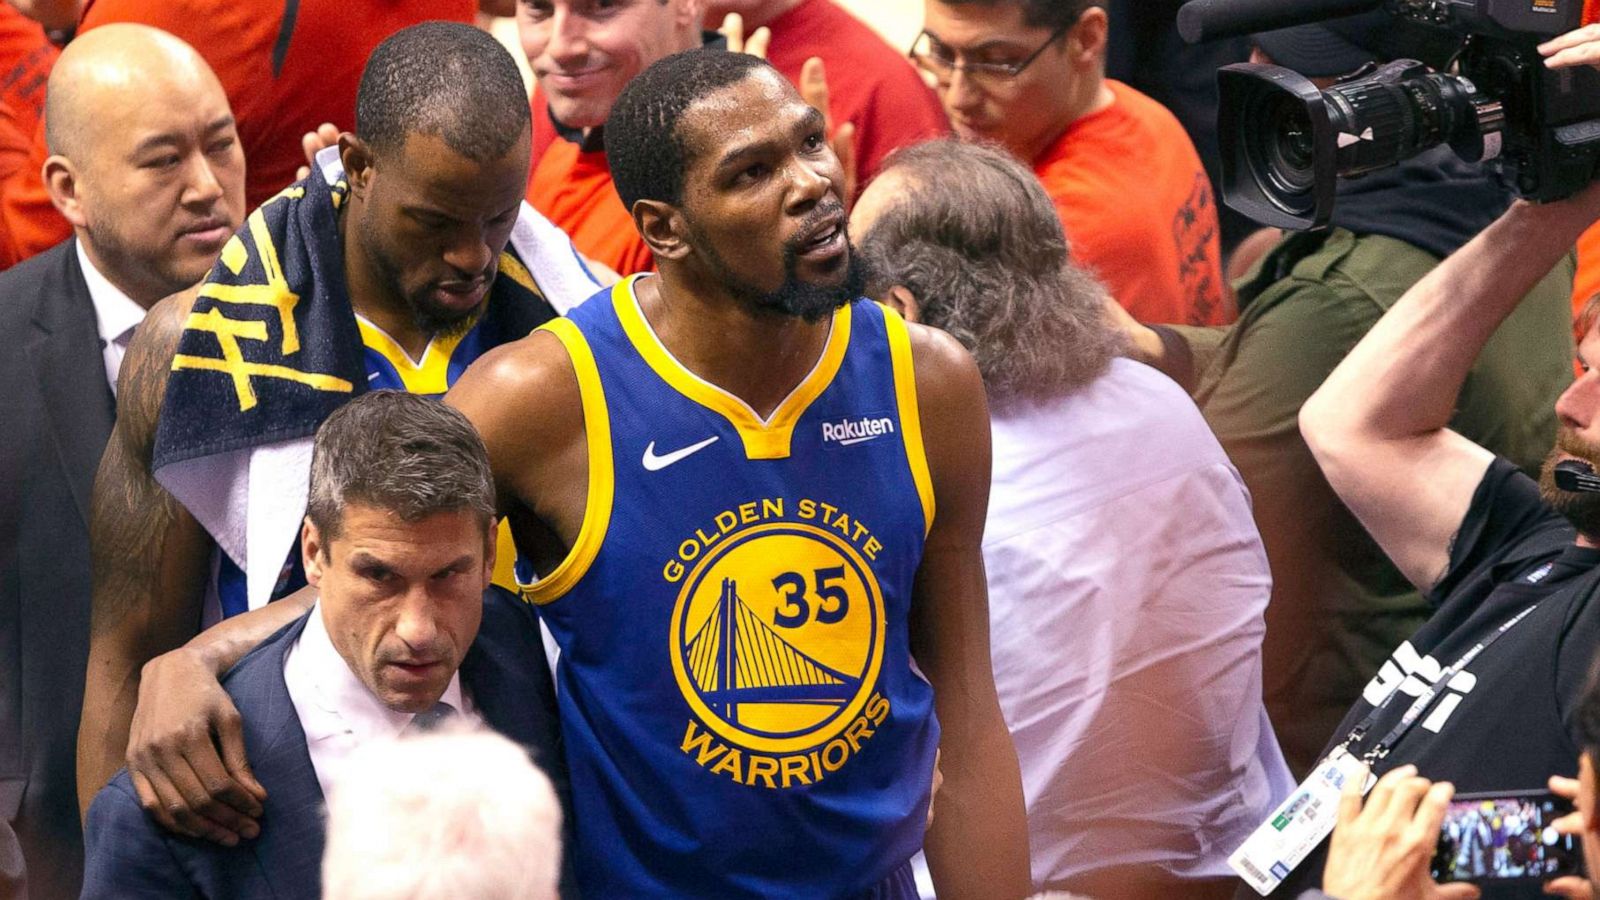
point(1505, 722)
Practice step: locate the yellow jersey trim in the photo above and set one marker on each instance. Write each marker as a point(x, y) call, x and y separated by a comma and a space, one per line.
point(905, 393)
point(431, 374)
point(505, 559)
point(602, 477)
point(763, 438)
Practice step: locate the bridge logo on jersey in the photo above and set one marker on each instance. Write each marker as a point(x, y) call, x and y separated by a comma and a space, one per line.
point(777, 642)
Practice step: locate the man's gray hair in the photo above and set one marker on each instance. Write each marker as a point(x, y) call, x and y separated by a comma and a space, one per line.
point(976, 239)
point(402, 453)
point(439, 816)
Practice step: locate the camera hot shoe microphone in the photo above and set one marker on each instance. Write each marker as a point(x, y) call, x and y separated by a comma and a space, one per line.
point(1205, 20)
point(1575, 476)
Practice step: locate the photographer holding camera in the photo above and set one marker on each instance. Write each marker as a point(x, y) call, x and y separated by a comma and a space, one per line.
point(1487, 694)
point(1339, 607)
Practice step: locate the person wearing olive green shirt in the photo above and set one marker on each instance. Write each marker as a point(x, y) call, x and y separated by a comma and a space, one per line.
point(1339, 607)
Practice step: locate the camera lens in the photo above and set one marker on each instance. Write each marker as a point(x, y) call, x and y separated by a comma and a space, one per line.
point(1291, 151)
point(1282, 151)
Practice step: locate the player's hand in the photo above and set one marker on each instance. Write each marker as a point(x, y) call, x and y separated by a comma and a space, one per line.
point(1381, 850)
point(1575, 48)
point(814, 90)
point(733, 31)
point(314, 142)
point(182, 779)
point(1572, 887)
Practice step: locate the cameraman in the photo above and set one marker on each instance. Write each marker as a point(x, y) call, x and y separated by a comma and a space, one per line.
point(1338, 606)
point(1486, 694)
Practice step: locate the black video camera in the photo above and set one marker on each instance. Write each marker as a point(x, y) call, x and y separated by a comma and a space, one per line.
point(1284, 141)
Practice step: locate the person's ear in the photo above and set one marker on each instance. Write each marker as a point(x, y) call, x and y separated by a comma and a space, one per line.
point(491, 550)
point(1087, 40)
point(356, 156)
point(662, 227)
point(61, 180)
point(904, 302)
point(311, 554)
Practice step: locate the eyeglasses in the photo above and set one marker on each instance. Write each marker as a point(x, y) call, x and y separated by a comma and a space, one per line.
point(934, 57)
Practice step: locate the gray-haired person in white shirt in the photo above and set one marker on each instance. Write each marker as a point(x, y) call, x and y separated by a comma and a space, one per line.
point(1126, 577)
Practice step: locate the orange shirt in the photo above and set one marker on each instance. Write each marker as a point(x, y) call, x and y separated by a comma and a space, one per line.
point(1587, 282)
point(26, 57)
point(1138, 211)
point(572, 188)
point(283, 78)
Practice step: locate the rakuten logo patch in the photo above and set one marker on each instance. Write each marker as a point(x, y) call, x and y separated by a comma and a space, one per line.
point(855, 431)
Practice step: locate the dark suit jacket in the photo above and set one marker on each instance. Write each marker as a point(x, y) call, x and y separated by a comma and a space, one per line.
point(130, 856)
point(55, 416)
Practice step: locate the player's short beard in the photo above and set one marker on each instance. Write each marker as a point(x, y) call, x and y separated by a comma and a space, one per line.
point(1582, 509)
point(805, 300)
point(429, 317)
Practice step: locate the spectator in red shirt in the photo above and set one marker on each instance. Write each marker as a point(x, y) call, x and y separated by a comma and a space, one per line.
point(286, 67)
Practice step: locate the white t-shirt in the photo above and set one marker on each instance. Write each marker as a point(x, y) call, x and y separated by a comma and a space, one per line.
point(1127, 583)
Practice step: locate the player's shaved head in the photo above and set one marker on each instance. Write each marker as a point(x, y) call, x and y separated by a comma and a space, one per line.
point(109, 66)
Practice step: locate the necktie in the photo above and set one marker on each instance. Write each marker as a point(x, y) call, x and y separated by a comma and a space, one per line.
point(431, 719)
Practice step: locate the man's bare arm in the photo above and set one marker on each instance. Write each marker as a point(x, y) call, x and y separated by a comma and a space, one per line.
point(148, 554)
point(1378, 425)
point(980, 803)
point(150, 558)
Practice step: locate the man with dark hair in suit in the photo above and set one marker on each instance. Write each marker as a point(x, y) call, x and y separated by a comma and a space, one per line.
point(399, 541)
point(145, 164)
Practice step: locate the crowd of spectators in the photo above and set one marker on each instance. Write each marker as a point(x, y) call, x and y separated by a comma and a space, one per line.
point(757, 460)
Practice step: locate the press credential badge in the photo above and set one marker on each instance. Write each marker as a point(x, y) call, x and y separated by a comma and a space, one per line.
point(1297, 826)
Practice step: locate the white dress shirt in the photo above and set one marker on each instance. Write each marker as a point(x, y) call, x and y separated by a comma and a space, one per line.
point(337, 712)
point(1127, 583)
point(115, 315)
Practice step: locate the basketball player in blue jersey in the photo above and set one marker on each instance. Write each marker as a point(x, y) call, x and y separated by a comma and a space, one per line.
point(752, 499)
point(425, 199)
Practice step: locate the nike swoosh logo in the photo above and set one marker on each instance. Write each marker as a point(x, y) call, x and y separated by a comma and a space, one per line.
point(654, 463)
point(848, 441)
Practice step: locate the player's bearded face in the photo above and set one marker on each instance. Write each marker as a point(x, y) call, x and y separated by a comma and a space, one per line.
point(1582, 509)
point(795, 296)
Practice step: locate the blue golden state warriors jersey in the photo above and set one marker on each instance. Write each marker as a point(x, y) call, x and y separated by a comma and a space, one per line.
point(738, 701)
point(389, 368)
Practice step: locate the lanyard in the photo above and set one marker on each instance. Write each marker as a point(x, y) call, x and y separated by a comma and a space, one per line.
point(1425, 700)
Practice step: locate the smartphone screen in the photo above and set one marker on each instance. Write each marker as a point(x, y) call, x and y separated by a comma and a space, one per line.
point(1505, 837)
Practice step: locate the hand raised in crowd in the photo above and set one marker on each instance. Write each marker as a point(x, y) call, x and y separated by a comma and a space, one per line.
point(183, 781)
point(314, 142)
point(1575, 48)
point(1572, 887)
point(732, 30)
point(1381, 850)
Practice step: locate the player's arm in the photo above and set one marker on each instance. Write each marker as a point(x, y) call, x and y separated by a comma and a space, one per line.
point(523, 399)
point(150, 558)
point(980, 803)
point(1378, 425)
